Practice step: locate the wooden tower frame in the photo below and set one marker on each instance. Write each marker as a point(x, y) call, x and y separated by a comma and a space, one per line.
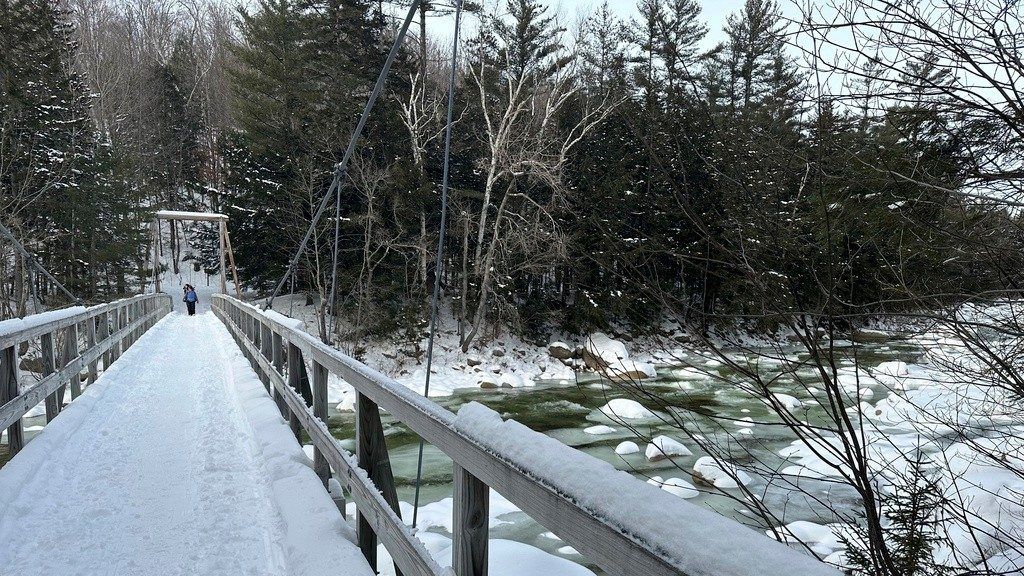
point(226, 253)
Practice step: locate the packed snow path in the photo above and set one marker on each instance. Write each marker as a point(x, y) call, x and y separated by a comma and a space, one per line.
point(176, 462)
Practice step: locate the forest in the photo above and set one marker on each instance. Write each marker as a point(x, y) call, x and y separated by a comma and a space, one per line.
point(605, 172)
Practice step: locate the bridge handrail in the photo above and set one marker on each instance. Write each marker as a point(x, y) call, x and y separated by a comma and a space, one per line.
point(109, 330)
point(706, 543)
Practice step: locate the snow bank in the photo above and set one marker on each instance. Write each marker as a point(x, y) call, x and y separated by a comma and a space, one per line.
point(694, 539)
point(317, 539)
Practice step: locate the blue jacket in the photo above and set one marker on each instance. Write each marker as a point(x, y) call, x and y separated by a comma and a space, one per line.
point(191, 296)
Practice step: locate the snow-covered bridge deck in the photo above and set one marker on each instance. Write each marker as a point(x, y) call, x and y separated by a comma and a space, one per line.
point(177, 460)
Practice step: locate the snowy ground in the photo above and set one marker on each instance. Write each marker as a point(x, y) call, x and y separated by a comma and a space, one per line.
point(174, 462)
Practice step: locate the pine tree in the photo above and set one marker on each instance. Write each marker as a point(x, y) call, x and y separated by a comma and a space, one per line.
point(45, 129)
point(682, 32)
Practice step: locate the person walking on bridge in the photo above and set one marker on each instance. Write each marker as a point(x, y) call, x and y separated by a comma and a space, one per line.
point(190, 299)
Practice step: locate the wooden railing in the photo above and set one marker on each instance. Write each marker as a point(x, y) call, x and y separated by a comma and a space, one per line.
point(86, 338)
point(279, 352)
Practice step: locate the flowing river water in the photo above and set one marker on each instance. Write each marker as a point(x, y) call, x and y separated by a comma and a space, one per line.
point(706, 398)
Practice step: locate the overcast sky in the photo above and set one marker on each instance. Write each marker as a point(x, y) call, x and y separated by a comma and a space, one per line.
point(714, 14)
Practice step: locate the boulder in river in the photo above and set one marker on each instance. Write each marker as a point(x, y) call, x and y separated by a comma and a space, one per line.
point(664, 447)
point(560, 350)
point(609, 358)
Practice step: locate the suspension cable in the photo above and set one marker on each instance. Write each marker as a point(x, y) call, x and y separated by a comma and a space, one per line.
point(334, 265)
point(32, 262)
point(341, 169)
point(438, 264)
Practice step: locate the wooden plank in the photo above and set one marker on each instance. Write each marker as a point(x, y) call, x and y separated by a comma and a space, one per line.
point(320, 465)
point(115, 327)
point(49, 367)
point(231, 261)
point(470, 524)
point(202, 216)
point(154, 228)
point(8, 391)
point(407, 551)
point(372, 456)
point(68, 353)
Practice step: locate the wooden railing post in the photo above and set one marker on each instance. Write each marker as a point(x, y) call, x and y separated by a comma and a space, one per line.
point(469, 524)
point(115, 325)
point(69, 353)
point(49, 367)
point(136, 314)
point(266, 350)
point(9, 391)
point(104, 328)
point(90, 341)
point(320, 464)
point(297, 380)
point(129, 313)
point(372, 456)
point(277, 358)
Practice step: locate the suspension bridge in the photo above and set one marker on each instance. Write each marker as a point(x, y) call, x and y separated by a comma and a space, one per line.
point(173, 446)
point(179, 453)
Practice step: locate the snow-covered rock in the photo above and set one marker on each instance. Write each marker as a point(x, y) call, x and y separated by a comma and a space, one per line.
point(664, 447)
point(719, 474)
point(560, 350)
point(609, 358)
point(627, 447)
point(624, 408)
point(601, 351)
point(826, 536)
point(897, 368)
point(599, 430)
point(788, 402)
point(676, 486)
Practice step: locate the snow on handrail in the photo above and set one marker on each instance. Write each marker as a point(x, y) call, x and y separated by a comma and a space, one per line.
point(620, 523)
point(15, 330)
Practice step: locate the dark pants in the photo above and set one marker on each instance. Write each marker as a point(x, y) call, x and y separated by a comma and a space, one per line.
point(191, 308)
